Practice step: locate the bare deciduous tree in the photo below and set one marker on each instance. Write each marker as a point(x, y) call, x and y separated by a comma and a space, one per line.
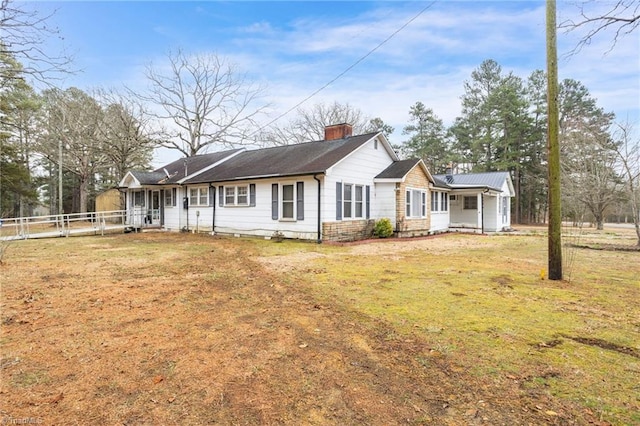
point(621, 17)
point(71, 121)
point(203, 101)
point(126, 135)
point(309, 124)
point(628, 154)
point(24, 33)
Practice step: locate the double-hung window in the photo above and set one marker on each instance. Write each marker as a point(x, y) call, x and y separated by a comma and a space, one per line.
point(470, 202)
point(416, 203)
point(353, 201)
point(170, 197)
point(287, 201)
point(199, 196)
point(138, 199)
point(236, 195)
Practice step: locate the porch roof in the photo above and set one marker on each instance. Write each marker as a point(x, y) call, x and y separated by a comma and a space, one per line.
point(489, 180)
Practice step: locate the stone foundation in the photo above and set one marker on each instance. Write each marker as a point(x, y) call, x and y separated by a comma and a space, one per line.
point(347, 230)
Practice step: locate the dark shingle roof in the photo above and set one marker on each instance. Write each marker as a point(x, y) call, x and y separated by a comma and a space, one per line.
point(148, 178)
point(288, 160)
point(440, 183)
point(492, 180)
point(398, 169)
point(176, 170)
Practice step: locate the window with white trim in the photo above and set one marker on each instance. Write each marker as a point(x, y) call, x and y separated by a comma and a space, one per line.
point(139, 198)
point(416, 203)
point(288, 201)
point(236, 195)
point(470, 202)
point(352, 201)
point(434, 200)
point(444, 202)
point(170, 197)
point(199, 196)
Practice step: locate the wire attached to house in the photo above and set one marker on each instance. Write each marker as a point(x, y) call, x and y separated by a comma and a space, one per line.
point(349, 68)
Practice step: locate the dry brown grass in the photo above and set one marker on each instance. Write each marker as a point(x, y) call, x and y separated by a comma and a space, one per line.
point(160, 328)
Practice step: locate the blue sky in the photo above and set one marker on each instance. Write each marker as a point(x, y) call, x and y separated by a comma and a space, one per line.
point(296, 47)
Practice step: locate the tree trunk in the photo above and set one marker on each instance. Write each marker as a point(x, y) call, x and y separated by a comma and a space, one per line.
point(599, 222)
point(84, 193)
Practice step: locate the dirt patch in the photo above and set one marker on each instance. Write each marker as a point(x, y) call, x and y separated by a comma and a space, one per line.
point(607, 247)
point(603, 344)
point(182, 329)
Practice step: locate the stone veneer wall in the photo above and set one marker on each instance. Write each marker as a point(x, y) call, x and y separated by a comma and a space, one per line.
point(407, 227)
point(347, 230)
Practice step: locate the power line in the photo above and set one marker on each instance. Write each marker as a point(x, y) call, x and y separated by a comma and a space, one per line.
point(349, 68)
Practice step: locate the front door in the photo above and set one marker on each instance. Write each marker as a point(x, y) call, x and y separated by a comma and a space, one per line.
point(155, 207)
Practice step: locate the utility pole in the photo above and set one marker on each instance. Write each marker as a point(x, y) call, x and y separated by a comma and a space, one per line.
point(553, 148)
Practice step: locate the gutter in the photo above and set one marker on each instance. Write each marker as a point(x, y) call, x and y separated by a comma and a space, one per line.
point(319, 241)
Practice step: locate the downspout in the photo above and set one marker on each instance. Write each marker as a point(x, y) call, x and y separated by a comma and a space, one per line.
point(319, 241)
point(213, 219)
point(186, 193)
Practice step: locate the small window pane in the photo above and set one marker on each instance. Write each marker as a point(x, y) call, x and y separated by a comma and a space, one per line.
point(287, 201)
point(348, 197)
point(416, 208)
point(229, 195)
point(204, 197)
point(243, 198)
point(408, 204)
point(358, 201)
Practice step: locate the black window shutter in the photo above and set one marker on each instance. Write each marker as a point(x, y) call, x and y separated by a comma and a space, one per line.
point(212, 195)
point(274, 201)
point(174, 193)
point(252, 195)
point(221, 195)
point(338, 200)
point(300, 200)
point(368, 195)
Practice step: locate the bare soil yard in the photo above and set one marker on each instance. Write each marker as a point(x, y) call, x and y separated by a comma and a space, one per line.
point(160, 328)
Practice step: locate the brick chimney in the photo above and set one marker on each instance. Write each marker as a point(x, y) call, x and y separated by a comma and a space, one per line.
point(337, 131)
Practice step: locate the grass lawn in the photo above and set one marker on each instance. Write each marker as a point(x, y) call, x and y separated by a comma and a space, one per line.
point(162, 328)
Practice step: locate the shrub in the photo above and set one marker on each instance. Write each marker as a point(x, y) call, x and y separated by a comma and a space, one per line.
point(383, 228)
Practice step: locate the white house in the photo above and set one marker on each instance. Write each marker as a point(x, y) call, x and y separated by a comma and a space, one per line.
point(334, 189)
point(479, 202)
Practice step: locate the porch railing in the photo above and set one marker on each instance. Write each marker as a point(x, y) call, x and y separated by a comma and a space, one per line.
point(62, 225)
